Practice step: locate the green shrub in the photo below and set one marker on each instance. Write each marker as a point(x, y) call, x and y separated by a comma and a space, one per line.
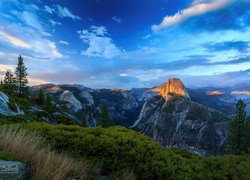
point(116, 149)
point(25, 118)
point(62, 119)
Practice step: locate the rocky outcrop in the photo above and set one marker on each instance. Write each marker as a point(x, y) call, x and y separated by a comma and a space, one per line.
point(173, 120)
point(73, 103)
point(184, 124)
point(10, 170)
point(173, 88)
point(88, 98)
point(4, 106)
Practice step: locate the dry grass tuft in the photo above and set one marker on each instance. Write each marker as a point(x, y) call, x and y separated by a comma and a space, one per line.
point(45, 164)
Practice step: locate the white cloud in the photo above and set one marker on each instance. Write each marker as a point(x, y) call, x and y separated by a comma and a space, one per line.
point(64, 12)
point(99, 44)
point(14, 40)
point(54, 51)
point(31, 20)
point(54, 23)
point(48, 9)
point(63, 42)
point(4, 68)
point(116, 19)
point(198, 7)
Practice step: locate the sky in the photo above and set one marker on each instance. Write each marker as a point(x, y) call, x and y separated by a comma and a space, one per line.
point(126, 44)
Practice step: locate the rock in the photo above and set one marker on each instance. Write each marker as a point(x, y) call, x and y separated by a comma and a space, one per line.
point(184, 124)
point(173, 120)
point(89, 99)
point(173, 88)
point(4, 107)
point(10, 170)
point(73, 103)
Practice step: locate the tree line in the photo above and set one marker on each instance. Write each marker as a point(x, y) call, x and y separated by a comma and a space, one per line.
point(16, 84)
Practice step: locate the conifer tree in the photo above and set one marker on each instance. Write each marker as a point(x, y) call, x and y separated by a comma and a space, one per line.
point(21, 78)
point(48, 103)
point(9, 86)
point(40, 98)
point(1, 85)
point(238, 130)
point(104, 119)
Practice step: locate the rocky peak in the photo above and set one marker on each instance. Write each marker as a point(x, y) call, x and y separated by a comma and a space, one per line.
point(173, 88)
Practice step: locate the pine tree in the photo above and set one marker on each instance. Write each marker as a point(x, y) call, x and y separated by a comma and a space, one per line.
point(40, 98)
point(1, 85)
point(21, 78)
point(48, 104)
point(9, 86)
point(238, 130)
point(104, 119)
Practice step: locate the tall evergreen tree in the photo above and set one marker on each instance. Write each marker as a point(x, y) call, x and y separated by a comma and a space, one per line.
point(238, 130)
point(21, 78)
point(104, 119)
point(9, 86)
point(1, 85)
point(40, 98)
point(48, 103)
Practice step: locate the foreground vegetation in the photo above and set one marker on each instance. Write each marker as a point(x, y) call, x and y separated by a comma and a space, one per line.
point(18, 145)
point(117, 149)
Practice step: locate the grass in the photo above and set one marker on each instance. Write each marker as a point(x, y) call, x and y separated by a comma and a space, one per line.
point(44, 163)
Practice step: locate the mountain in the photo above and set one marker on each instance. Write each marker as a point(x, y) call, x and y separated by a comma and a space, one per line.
point(174, 120)
point(192, 119)
point(85, 103)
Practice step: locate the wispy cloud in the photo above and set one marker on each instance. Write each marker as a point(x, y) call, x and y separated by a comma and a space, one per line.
point(13, 40)
point(4, 68)
point(65, 12)
point(63, 42)
point(241, 46)
point(100, 45)
point(48, 9)
point(54, 51)
point(196, 9)
point(116, 19)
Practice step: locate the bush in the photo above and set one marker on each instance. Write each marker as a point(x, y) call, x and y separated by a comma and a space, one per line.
point(62, 119)
point(25, 118)
point(116, 149)
point(44, 163)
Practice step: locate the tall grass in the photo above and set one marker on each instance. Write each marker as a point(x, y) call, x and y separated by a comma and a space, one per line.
point(44, 163)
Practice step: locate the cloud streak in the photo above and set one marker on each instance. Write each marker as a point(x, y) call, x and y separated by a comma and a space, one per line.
point(194, 10)
point(13, 40)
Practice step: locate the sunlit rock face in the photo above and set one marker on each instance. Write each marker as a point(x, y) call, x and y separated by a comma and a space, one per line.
point(173, 120)
point(174, 88)
point(4, 107)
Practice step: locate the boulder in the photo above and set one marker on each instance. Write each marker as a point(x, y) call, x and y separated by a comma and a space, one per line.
point(10, 170)
point(73, 103)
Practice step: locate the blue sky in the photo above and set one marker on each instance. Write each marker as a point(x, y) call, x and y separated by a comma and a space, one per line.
point(125, 44)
